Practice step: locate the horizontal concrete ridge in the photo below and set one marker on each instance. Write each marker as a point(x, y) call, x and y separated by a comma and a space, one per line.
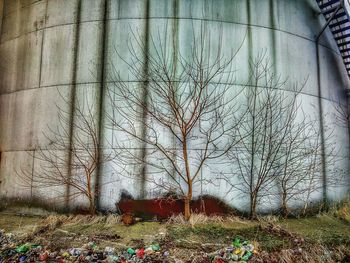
point(305, 93)
point(296, 34)
point(65, 64)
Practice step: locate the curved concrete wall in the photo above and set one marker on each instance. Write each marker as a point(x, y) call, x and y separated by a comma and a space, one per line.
point(67, 46)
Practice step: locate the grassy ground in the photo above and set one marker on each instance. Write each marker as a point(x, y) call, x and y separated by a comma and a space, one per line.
point(58, 232)
point(326, 230)
point(18, 224)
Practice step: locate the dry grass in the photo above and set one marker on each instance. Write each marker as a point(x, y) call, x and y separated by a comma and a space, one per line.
point(112, 220)
point(107, 220)
point(200, 219)
point(195, 219)
point(319, 254)
point(54, 221)
point(315, 254)
point(269, 219)
point(236, 219)
point(344, 211)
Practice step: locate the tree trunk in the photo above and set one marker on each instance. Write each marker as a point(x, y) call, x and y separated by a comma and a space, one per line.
point(187, 209)
point(285, 209)
point(253, 200)
point(92, 208)
point(303, 213)
point(188, 200)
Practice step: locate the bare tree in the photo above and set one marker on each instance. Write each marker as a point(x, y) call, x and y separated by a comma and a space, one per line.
point(186, 107)
point(271, 111)
point(342, 117)
point(342, 112)
point(72, 156)
point(301, 163)
point(280, 147)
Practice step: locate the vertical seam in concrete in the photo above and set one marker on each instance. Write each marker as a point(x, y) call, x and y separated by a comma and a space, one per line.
point(104, 46)
point(2, 15)
point(249, 33)
point(1, 21)
point(31, 183)
point(39, 86)
point(273, 34)
point(73, 99)
point(250, 57)
point(42, 44)
point(145, 97)
point(320, 108)
point(274, 54)
point(175, 33)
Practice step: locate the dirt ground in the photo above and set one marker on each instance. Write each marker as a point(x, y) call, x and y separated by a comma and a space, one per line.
point(316, 239)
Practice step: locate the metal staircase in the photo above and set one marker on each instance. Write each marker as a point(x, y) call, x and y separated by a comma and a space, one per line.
point(336, 13)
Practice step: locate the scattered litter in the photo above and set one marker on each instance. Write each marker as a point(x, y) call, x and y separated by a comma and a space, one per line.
point(6, 239)
point(90, 252)
point(240, 251)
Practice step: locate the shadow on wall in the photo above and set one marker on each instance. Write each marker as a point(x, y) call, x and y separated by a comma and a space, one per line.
point(13, 204)
point(165, 207)
point(158, 208)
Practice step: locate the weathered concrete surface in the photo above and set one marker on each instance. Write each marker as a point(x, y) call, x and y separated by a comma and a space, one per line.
point(49, 47)
point(1, 12)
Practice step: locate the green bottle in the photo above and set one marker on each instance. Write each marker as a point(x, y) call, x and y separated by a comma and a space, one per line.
point(131, 251)
point(237, 243)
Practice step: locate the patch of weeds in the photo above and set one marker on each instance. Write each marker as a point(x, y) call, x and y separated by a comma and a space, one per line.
point(225, 235)
point(16, 223)
point(323, 230)
point(344, 211)
point(79, 228)
point(267, 241)
point(209, 232)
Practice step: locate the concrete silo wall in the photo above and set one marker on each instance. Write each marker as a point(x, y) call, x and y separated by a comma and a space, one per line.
point(52, 47)
point(1, 11)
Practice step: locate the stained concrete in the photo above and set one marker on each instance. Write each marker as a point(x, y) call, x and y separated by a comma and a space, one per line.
point(1, 13)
